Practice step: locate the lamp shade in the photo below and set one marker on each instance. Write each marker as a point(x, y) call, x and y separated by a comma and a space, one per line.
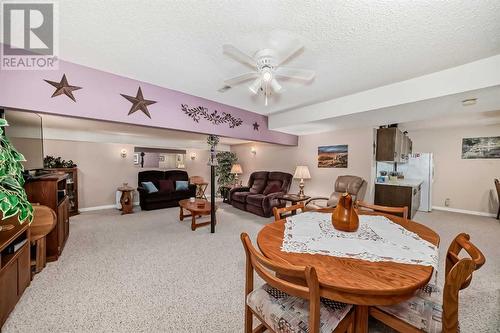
point(236, 168)
point(302, 172)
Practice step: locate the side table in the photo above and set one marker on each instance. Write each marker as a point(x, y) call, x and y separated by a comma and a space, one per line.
point(126, 199)
point(293, 199)
point(44, 220)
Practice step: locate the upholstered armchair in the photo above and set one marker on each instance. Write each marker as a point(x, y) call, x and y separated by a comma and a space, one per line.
point(353, 185)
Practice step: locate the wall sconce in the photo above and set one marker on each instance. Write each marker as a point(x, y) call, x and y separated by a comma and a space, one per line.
point(123, 153)
point(253, 150)
point(193, 156)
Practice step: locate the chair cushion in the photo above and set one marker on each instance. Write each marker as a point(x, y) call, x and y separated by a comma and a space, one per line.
point(166, 185)
point(285, 313)
point(423, 311)
point(255, 199)
point(240, 196)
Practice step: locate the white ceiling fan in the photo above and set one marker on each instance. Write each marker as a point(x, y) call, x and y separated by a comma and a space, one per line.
point(267, 69)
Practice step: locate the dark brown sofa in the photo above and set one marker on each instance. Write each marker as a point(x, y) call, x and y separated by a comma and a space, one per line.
point(259, 197)
point(163, 199)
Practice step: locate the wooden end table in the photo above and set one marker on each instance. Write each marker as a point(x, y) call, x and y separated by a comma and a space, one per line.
point(198, 208)
point(44, 220)
point(126, 199)
point(293, 199)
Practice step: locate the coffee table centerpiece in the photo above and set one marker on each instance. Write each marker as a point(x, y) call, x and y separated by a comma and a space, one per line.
point(196, 208)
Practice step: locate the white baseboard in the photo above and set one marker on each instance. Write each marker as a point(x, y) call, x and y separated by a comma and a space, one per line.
point(464, 211)
point(88, 209)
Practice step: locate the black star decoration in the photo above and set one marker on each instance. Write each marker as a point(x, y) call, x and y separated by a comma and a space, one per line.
point(139, 103)
point(256, 126)
point(63, 87)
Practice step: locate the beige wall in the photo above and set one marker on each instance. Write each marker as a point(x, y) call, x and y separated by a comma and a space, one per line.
point(279, 158)
point(467, 183)
point(102, 169)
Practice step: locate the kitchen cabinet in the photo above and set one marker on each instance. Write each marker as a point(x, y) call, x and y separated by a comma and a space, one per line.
point(392, 145)
point(394, 195)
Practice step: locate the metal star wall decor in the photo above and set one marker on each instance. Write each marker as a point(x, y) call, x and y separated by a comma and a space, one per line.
point(139, 103)
point(63, 87)
point(256, 126)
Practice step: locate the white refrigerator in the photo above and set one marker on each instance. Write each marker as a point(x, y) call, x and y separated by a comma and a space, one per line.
point(421, 166)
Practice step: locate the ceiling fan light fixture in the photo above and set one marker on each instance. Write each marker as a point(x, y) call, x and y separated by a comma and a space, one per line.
point(255, 86)
point(267, 76)
point(276, 86)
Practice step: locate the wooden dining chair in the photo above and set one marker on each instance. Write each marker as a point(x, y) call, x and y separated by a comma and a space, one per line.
point(399, 211)
point(281, 213)
point(497, 186)
point(283, 306)
point(425, 312)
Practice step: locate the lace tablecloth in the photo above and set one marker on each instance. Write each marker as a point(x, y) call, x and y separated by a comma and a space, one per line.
point(377, 239)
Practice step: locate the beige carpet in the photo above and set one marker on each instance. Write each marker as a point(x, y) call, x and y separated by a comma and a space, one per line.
point(147, 272)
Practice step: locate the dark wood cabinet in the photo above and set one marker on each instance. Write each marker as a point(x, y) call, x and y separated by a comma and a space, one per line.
point(71, 187)
point(392, 145)
point(50, 190)
point(398, 196)
point(15, 272)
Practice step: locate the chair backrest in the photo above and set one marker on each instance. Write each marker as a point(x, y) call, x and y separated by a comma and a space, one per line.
point(349, 184)
point(258, 181)
point(176, 175)
point(458, 276)
point(281, 213)
point(196, 180)
point(265, 267)
point(283, 179)
point(153, 176)
point(399, 211)
point(497, 185)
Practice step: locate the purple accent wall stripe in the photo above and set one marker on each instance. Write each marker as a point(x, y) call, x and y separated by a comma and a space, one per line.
point(100, 99)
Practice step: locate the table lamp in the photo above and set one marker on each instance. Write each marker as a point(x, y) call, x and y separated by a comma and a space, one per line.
point(302, 172)
point(236, 170)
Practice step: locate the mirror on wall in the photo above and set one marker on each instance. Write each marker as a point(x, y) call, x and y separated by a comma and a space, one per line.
point(25, 132)
point(148, 157)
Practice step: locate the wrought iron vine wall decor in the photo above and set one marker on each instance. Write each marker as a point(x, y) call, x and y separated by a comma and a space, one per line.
point(214, 117)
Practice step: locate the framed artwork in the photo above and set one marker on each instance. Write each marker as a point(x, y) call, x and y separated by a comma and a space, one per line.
point(482, 147)
point(332, 156)
point(162, 158)
point(136, 158)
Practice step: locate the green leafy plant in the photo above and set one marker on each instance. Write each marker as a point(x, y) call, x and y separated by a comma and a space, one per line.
point(225, 160)
point(13, 199)
point(57, 162)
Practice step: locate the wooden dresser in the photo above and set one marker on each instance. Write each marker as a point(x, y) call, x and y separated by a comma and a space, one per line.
point(50, 190)
point(15, 269)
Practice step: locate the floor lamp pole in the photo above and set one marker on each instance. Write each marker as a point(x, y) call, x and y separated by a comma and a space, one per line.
point(212, 199)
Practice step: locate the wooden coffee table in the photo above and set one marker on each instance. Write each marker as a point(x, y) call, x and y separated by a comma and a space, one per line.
point(198, 208)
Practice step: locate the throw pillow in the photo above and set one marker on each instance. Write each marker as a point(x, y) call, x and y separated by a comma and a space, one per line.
point(181, 185)
point(166, 185)
point(271, 188)
point(150, 187)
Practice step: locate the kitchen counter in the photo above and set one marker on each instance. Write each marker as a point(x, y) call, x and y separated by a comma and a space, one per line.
point(402, 182)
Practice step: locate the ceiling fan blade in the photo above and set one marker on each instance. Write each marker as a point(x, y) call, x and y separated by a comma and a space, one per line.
point(295, 74)
point(237, 55)
point(294, 47)
point(241, 78)
point(255, 86)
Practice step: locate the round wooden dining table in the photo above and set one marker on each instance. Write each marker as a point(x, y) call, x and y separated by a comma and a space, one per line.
point(355, 281)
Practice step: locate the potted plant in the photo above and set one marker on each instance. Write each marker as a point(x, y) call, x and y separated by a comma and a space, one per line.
point(13, 199)
point(225, 160)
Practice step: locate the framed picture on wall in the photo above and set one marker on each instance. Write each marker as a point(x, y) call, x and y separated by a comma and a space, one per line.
point(136, 158)
point(332, 156)
point(482, 147)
